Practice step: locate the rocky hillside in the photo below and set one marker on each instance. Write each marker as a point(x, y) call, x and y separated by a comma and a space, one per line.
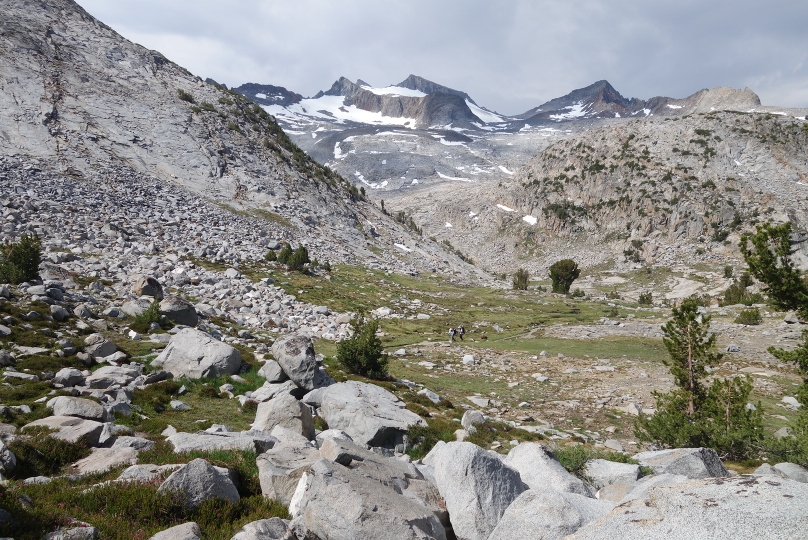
point(650, 191)
point(77, 97)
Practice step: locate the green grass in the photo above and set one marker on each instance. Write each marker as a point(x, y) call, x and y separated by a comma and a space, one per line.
point(39, 454)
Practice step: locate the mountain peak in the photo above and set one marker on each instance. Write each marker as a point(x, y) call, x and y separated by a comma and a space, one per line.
point(415, 82)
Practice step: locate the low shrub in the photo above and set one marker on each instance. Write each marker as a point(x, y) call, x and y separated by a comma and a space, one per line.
point(749, 317)
point(143, 321)
point(39, 454)
point(646, 299)
point(521, 279)
point(19, 261)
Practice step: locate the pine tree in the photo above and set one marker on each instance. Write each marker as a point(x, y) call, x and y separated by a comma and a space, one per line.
point(769, 261)
point(563, 273)
point(795, 447)
point(694, 414)
point(690, 349)
point(363, 353)
point(520, 280)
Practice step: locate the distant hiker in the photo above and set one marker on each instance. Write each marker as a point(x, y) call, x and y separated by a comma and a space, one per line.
point(461, 331)
point(452, 333)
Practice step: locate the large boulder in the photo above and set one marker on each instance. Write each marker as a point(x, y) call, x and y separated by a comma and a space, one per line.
point(477, 487)
point(249, 441)
point(68, 377)
point(199, 481)
point(186, 531)
point(79, 407)
point(368, 413)
point(197, 355)
point(601, 472)
point(8, 461)
point(689, 462)
point(547, 514)
point(337, 503)
point(540, 469)
point(179, 311)
point(106, 376)
point(284, 410)
point(99, 346)
point(147, 286)
point(295, 355)
point(273, 372)
point(793, 471)
point(263, 529)
point(104, 459)
point(280, 469)
point(71, 428)
point(403, 477)
point(717, 508)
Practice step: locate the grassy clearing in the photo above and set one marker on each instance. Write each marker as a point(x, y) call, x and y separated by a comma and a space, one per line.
point(613, 347)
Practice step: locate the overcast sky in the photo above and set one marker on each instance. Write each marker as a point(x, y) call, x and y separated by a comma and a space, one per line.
point(509, 55)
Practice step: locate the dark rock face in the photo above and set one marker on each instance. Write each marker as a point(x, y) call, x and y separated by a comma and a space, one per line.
point(274, 95)
point(414, 82)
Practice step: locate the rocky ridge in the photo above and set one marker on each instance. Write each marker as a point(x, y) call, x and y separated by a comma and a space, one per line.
point(78, 99)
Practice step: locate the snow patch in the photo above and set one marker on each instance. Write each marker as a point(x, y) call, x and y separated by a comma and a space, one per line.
point(503, 207)
point(503, 169)
point(445, 177)
point(448, 225)
point(530, 220)
point(451, 143)
point(673, 106)
point(414, 181)
point(575, 111)
point(484, 114)
point(472, 214)
point(403, 248)
point(333, 109)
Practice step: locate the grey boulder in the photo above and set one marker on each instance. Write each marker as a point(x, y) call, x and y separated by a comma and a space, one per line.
point(8, 461)
point(602, 472)
point(272, 372)
point(689, 462)
point(71, 428)
point(197, 355)
point(547, 514)
point(106, 376)
point(79, 407)
point(336, 503)
point(369, 414)
point(477, 488)
point(295, 355)
point(199, 481)
point(68, 377)
point(147, 286)
point(540, 469)
point(179, 311)
point(286, 411)
point(280, 469)
point(250, 441)
point(186, 531)
point(263, 529)
point(793, 471)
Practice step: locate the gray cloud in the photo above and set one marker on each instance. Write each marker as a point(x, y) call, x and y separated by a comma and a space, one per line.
point(509, 55)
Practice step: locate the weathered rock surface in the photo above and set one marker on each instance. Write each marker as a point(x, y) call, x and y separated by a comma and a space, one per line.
point(71, 428)
point(79, 407)
point(186, 531)
point(604, 473)
point(196, 355)
point(263, 529)
point(718, 508)
point(546, 514)
point(179, 310)
point(199, 481)
point(540, 469)
point(690, 462)
point(477, 488)
point(251, 441)
point(104, 459)
point(280, 469)
point(334, 502)
point(369, 414)
point(272, 372)
point(147, 286)
point(284, 410)
point(295, 355)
